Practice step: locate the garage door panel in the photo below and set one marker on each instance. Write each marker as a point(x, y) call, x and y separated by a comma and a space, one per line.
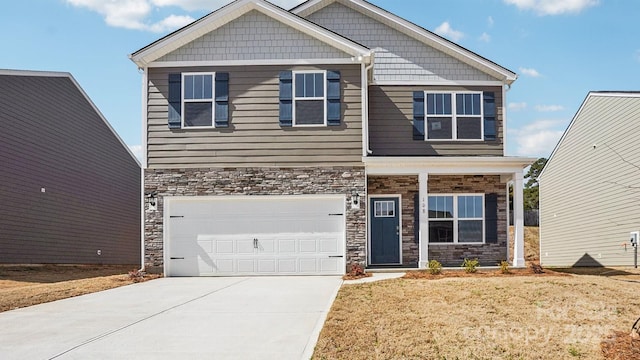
point(256, 236)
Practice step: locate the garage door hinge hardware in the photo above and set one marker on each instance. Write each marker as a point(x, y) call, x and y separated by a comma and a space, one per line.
point(175, 216)
point(336, 214)
point(177, 258)
point(255, 243)
point(336, 256)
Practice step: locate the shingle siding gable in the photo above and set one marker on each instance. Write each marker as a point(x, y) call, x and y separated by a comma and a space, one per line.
point(254, 36)
point(399, 57)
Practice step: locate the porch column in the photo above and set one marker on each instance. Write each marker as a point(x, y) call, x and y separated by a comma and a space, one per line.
point(518, 220)
point(423, 241)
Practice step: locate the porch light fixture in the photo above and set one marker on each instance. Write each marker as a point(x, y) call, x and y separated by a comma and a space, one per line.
point(153, 200)
point(355, 198)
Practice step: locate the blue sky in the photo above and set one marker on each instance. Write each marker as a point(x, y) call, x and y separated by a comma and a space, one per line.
point(561, 49)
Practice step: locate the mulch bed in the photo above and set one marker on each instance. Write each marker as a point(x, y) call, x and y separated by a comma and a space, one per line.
point(620, 346)
point(424, 274)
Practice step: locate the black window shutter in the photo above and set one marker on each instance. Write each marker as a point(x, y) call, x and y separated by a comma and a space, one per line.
point(334, 105)
point(491, 218)
point(418, 115)
point(175, 101)
point(490, 131)
point(222, 100)
point(286, 99)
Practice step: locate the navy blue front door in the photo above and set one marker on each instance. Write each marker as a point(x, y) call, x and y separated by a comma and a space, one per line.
point(385, 230)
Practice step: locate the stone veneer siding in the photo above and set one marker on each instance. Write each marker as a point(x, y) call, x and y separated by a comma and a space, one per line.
point(487, 254)
point(407, 188)
point(255, 181)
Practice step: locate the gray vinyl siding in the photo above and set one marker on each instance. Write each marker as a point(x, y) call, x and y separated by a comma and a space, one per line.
point(52, 138)
point(589, 196)
point(399, 57)
point(391, 127)
point(254, 36)
point(254, 137)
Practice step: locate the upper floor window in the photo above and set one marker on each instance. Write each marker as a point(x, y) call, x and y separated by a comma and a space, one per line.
point(198, 100)
point(309, 100)
point(454, 116)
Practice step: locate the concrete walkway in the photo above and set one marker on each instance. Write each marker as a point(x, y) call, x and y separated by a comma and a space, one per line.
point(177, 318)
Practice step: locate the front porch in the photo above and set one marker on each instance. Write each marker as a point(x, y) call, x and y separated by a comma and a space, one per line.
point(444, 209)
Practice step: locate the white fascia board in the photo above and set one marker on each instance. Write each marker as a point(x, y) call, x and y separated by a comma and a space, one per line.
point(445, 165)
point(163, 64)
point(437, 83)
point(418, 33)
point(233, 11)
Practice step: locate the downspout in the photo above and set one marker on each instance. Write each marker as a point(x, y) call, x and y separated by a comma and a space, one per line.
point(365, 103)
point(145, 76)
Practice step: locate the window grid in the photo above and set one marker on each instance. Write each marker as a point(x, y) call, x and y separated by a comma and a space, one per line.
point(189, 96)
point(432, 112)
point(302, 95)
point(385, 208)
point(456, 200)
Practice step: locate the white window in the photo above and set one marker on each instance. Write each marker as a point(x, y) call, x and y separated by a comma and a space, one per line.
point(456, 218)
point(309, 98)
point(197, 100)
point(454, 116)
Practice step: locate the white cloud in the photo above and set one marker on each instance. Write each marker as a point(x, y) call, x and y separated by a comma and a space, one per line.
point(530, 72)
point(485, 37)
point(553, 7)
point(490, 21)
point(137, 151)
point(517, 106)
point(135, 14)
point(549, 108)
point(447, 31)
point(538, 138)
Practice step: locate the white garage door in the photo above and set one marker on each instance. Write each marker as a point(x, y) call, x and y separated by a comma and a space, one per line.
point(251, 235)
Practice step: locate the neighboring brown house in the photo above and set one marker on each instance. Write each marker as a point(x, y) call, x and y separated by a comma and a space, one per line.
point(69, 187)
point(303, 141)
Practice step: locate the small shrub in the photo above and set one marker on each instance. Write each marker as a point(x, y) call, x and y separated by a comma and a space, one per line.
point(356, 271)
point(536, 268)
point(573, 351)
point(435, 267)
point(504, 267)
point(470, 265)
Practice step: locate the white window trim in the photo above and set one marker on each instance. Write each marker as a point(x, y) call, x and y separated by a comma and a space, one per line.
point(183, 100)
point(296, 99)
point(454, 116)
point(456, 219)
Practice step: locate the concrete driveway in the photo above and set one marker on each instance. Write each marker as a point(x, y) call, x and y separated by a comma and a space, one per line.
point(176, 318)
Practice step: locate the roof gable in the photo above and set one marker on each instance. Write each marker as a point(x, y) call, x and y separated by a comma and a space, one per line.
point(254, 36)
point(425, 36)
point(616, 104)
point(233, 11)
point(56, 93)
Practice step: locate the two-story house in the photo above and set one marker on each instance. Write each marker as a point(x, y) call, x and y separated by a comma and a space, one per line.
point(304, 141)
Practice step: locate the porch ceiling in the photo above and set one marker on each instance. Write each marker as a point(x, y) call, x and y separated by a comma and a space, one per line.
point(446, 165)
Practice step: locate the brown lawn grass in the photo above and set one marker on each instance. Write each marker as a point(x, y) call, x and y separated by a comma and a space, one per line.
point(22, 286)
point(531, 243)
point(480, 317)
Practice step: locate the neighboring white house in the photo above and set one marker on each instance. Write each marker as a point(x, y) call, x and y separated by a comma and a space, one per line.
point(590, 187)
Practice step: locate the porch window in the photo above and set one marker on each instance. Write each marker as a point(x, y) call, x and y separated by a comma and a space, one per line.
point(454, 116)
point(456, 218)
